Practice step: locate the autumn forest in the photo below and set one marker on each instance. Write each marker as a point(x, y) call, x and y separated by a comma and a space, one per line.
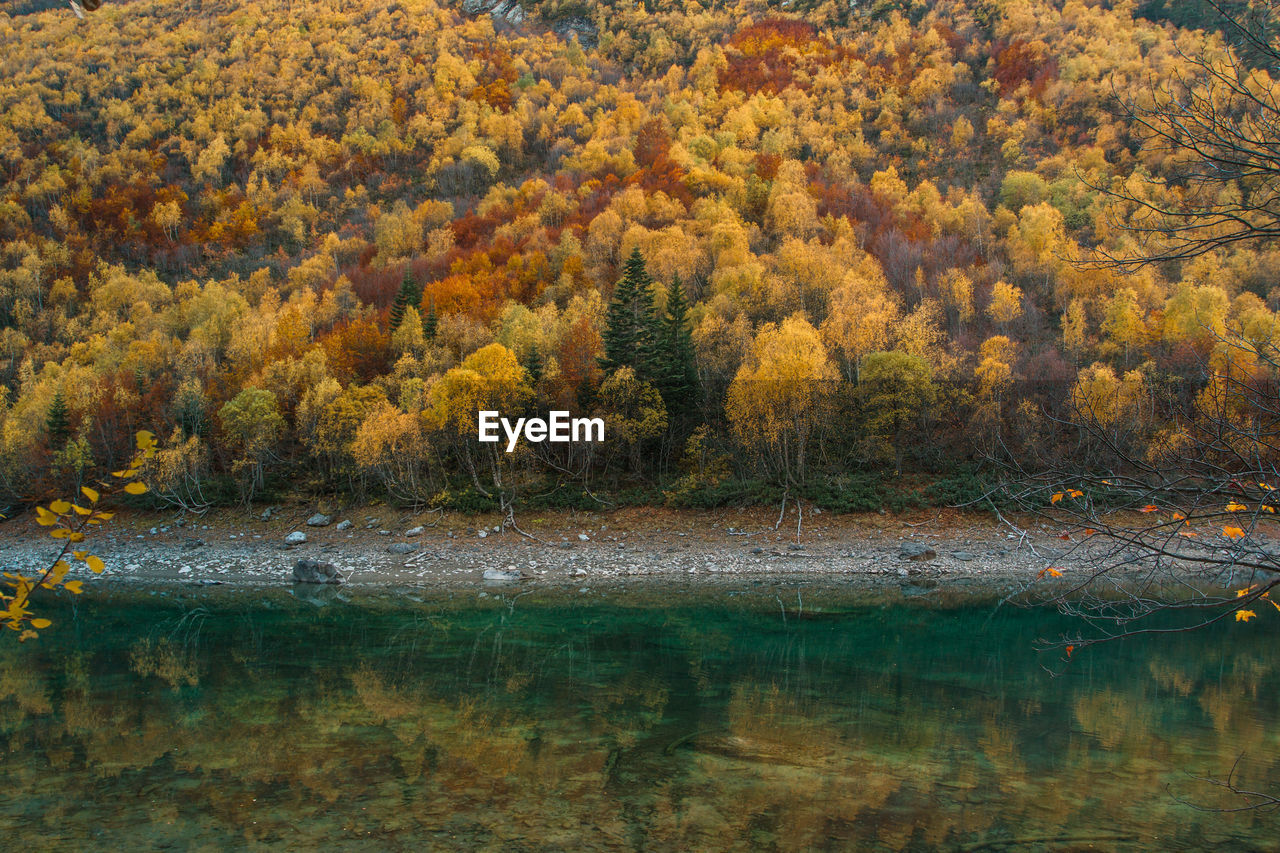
point(856, 252)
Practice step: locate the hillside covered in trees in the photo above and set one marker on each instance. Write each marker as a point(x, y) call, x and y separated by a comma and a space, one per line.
point(851, 252)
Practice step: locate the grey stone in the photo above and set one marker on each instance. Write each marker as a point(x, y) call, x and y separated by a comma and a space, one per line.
point(483, 533)
point(313, 571)
point(345, 524)
point(319, 520)
point(757, 550)
point(266, 514)
point(415, 531)
point(916, 551)
point(501, 575)
point(964, 556)
point(401, 548)
point(297, 537)
point(191, 544)
point(582, 537)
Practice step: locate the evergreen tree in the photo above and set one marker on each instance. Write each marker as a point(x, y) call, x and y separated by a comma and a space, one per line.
point(406, 296)
point(629, 339)
point(58, 422)
point(676, 369)
point(534, 365)
point(430, 322)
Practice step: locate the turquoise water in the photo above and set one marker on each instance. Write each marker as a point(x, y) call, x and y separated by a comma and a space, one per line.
point(745, 719)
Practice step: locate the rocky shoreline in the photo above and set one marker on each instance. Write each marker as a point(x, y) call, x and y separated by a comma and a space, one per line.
point(381, 546)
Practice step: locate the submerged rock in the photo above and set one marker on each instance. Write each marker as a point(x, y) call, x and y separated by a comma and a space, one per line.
point(307, 570)
point(502, 575)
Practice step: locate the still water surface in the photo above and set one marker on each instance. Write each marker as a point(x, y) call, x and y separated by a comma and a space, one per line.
point(698, 720)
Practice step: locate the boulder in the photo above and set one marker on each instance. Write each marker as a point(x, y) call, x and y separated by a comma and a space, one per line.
point(297, 537)
point(313, 571)
point(319, 520)
point(345, 524)
point(916, 551)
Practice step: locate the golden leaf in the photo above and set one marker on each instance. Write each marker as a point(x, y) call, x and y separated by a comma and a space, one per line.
point(61, 507)
point(89, 493)
point(81, 510)
point(40, 623)
point(1150, 508)
point(1075, 493)
point(74, 587)
point(1245, 615)
point(136, 488)
point(60, 533)
point(96, 565)
point(146, 439)
point(45, 518)
point(1057, 497)
point(1232, 532)
point(1233, 506)
point(76, 536)
point(1241, 593)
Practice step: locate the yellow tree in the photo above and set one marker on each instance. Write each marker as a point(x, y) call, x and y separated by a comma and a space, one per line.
point(490, 379)
point(1006, 303)
point(782, 395)
point(863, 312)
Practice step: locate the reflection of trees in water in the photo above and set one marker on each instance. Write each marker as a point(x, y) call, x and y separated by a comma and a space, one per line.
point(707, 728)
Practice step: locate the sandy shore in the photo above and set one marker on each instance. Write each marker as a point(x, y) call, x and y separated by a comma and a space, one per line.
point(565, 548)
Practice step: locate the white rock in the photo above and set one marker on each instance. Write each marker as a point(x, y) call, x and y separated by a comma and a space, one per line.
point(415, 531)
point(297, 537)
point(319, 520)
point(345, 524)
point(582, 537)
point(483, 533)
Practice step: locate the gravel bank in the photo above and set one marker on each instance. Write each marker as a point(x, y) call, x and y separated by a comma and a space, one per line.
point(382, 546)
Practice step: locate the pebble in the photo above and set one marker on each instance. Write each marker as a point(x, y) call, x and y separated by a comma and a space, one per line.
point(415, 531)
point(345, 524)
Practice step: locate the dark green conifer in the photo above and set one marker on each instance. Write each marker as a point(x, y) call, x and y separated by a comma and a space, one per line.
point(406, 296)
point(58, 422)
point(629, 325)
point(675, 365)
point(430, 322)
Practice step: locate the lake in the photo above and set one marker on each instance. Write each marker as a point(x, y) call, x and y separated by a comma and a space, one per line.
point(747, 718)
